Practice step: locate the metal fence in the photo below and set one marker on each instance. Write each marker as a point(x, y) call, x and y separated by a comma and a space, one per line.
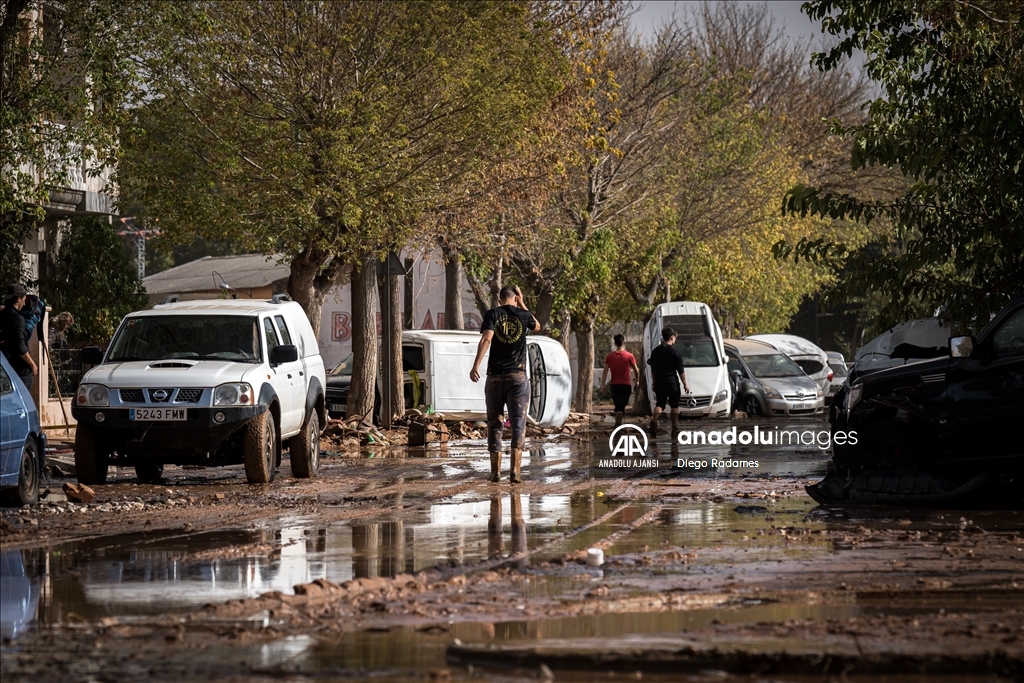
point(67, 366)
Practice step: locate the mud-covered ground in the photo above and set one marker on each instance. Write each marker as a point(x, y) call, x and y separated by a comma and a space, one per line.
point(402, 564)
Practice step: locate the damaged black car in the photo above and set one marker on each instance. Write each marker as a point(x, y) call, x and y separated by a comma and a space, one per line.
point(957, 415)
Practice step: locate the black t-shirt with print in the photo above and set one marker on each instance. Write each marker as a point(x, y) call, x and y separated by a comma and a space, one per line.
point(508, 346)
point(666, 363)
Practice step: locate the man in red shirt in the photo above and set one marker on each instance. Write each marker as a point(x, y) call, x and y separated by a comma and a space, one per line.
point(620, 362)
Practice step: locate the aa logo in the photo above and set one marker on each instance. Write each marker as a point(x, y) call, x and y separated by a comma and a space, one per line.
point(625, 443)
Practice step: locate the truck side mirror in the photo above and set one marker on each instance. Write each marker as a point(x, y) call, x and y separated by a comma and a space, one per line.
point(284, 353)
point(961, 347)
point(92, 355)
point(736, 377)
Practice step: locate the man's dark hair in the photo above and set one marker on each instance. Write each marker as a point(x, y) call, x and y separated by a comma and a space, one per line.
point(506, 292)
point(619, 340)
point(667, 333)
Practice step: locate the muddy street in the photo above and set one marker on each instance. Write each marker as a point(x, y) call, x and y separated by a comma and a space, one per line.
point(399, 564)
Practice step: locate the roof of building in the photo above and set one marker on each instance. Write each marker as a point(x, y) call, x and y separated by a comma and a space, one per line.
point(245, 271)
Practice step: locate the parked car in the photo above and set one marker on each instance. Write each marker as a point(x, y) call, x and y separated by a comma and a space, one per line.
point(811, 359)
point(22, 442)
point(437, 364)
point(959, 413)
point(699, 340)
point(205, 383)
point(339, 378)
point(839, 372)
point(768, 382)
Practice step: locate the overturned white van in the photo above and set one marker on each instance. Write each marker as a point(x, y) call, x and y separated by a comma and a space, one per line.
point(436, 364)
point(699, 340)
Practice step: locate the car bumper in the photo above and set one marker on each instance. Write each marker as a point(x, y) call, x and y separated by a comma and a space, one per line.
point(795, 408)
point(336, 403)
point(720, 409)
point(200, 432)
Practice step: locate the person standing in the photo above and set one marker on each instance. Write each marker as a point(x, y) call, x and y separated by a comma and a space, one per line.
point(667, 372)
point(619, 363)
point(14, 337)
point(503, 331)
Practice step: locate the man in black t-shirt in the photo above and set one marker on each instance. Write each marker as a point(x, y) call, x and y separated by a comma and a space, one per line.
point(504, 331)
point(666, 372)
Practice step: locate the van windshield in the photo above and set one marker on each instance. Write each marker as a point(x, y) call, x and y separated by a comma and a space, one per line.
point(189, 337)
point(693, 340)
point(773, 365)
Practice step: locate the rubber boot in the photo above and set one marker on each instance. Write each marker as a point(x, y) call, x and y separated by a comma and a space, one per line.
point(495, 466)
point(654, 426)
point(618, 419)
point(517, 461)
point(675, 422)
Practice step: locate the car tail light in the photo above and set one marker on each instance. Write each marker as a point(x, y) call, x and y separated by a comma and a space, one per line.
point(830, 375)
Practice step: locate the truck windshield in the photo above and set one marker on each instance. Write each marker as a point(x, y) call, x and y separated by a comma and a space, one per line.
point(189, 337)
point(773, 365)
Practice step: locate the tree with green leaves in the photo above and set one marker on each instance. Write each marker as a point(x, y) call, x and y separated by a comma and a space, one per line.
point(950, 119)
point(95, 280)
point(322, 130)
point(66, 72)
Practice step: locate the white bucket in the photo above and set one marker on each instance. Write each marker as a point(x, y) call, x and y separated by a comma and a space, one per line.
point(595, 557)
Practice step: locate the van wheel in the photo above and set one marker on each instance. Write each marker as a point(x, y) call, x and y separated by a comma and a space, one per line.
point(305, 448)
point(753, 408)
point(27, 491)
point(149, 472)
point(91, 457)
point(259, 447)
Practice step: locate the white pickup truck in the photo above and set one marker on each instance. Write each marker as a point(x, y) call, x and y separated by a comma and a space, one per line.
point(216, 382)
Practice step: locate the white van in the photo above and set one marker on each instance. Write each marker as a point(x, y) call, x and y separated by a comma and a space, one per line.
point(699, 339)
point(436, 364)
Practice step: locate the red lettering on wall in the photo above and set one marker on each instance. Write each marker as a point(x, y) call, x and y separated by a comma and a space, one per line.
point(341, 327)
point(428, 321)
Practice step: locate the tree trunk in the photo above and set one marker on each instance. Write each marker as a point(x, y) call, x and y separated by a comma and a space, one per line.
point(364, 338)
point(407, 294)
point(564, 329)
point(311, 276)
point(584, 364)
point(453, 317)
point(545, 302)
point(392, 400)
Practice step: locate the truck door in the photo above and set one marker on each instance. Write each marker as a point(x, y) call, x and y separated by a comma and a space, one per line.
point(286, 381)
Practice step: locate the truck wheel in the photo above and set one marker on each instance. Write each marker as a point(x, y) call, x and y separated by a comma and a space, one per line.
point(27, 491)
point(260, 449)
point(91, 456)
point(149, 472)
point(305, 448)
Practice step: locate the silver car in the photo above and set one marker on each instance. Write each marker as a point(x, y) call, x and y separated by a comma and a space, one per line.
point(767, 382)
point(839, 372)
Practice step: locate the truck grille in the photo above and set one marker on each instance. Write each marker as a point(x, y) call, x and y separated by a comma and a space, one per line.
point(188, 395)
point(132, 396)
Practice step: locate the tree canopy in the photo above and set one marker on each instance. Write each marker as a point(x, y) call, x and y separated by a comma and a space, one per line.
point(950, 119)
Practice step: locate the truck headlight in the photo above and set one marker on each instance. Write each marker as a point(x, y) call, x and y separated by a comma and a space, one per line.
point(233, 394)
point(95, 395)
point(720, 396)
point(771, 393)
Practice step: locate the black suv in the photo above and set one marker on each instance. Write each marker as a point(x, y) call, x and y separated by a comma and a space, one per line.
point(958, 414)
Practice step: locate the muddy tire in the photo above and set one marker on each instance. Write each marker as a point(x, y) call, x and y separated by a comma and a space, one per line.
point(91, 457)
point(305, 448)
point(149, 472)
point(27, 490)
point(259, 446)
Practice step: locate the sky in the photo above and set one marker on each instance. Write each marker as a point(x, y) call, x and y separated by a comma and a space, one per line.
point(787, 14)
